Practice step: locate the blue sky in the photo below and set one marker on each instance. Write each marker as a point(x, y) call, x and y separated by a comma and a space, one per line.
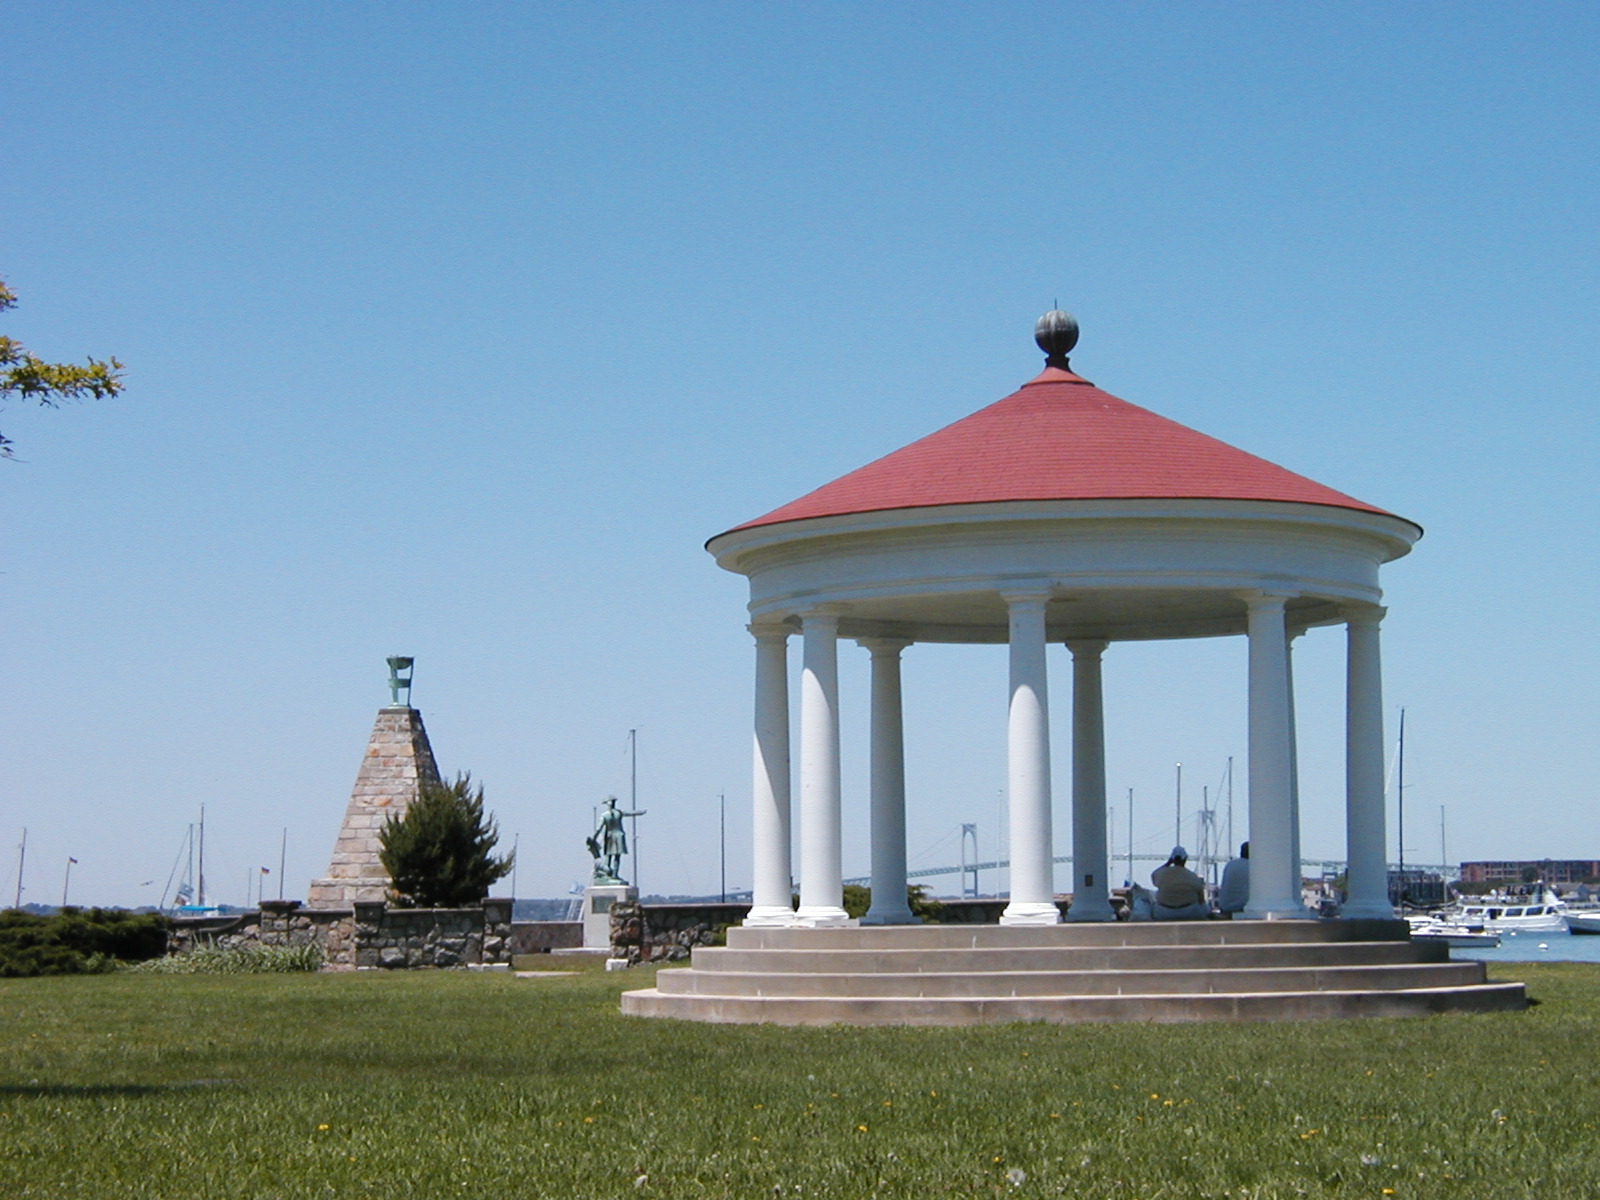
point(456, 331)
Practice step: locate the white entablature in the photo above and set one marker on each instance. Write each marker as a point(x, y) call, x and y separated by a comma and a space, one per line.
point(1118, 569)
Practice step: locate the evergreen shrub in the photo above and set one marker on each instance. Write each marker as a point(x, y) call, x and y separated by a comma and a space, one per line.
point(440, 853)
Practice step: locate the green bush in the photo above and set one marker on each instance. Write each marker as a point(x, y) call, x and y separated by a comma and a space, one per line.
point(858, 899)
point(78, 941)
point(440, 853)
point(243, 960)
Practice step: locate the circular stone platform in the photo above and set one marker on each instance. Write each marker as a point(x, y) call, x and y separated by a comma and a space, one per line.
point(1127, 971)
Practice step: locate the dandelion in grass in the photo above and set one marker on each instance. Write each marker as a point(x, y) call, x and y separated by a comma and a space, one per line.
point(1371, 1160)
point(861, 1128)
point(322, 1129)
point(1016, 1176)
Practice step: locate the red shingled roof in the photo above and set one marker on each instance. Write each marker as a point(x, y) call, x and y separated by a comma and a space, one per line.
point(1058, 438)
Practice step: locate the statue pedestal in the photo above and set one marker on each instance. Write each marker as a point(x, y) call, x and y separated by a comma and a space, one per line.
point(597, 901)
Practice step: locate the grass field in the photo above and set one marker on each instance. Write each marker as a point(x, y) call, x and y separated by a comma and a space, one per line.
point(454, 1084)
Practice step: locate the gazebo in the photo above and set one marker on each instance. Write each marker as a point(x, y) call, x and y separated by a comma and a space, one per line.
point(1058, 514)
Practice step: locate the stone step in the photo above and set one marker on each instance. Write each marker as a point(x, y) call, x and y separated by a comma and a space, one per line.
point(1110, 933)
point(1253, 1006)
point(1064, 958)
point(1006, 984)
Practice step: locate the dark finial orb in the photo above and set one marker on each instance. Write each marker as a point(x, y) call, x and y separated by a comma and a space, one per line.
point(1056, 333)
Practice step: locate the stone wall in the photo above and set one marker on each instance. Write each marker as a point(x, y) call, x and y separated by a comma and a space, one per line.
point(643, 933)
point(365, 934)
point(541, 937)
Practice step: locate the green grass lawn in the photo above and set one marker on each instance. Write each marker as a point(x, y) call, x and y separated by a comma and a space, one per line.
point(454, 1084)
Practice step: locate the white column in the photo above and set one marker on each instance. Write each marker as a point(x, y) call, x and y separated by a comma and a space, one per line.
point(770, 902)
point(1028, 766)
point(1294, 766)
point(889, 904)
point(821, 872)
point(1367, 885)
point(1271, 762)
point(1091, 899)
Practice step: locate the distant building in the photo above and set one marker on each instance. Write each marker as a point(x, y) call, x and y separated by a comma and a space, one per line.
point(1551, 870)
point(1416, 886)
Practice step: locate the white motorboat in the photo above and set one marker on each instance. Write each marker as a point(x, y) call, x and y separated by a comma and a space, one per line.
point(1434, 928)
point(1497, 913)
point(1585, 921)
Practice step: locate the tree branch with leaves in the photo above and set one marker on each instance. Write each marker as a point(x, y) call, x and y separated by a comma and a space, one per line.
point(29, 377)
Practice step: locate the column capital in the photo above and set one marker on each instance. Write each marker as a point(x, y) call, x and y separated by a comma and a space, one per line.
point(884, 645)
point(1266, 597)
point(770, 631)
point(1091, 647)
point(1027, 595)
point(822, 615)
point(1363, 614)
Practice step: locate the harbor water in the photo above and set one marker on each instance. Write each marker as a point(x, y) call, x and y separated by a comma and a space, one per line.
point(1557, 946)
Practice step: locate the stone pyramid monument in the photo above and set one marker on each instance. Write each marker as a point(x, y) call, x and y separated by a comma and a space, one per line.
point(398, 761)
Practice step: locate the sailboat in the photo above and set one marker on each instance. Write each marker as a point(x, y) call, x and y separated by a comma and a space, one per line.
point(189, 900)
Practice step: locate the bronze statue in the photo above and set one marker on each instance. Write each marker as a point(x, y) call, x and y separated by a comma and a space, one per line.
point(610, 843)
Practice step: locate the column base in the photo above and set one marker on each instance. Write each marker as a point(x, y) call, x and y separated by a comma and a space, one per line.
point(902, 916)
point(1286, 912)
point(769, 916)
point(819, 917)
point(1366, 912)
point(1020, 912)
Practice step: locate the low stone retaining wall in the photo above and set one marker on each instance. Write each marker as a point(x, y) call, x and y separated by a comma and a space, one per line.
point(541, 937)
point(365, 935)
point(642, 933)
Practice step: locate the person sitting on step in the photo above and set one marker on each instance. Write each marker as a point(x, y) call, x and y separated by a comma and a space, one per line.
point(1180, 893)
point(1234, 892)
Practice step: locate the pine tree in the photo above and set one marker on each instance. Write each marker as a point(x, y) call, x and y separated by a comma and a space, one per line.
point(439, 855)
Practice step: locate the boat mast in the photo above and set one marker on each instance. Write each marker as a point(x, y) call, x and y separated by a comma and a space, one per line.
point(200, 882)
point(633, 799)
point(1177, 838)
point(1230, 806)
point(1444, 857)
point(22, 859)
point(1400, 801)
point(1130, 837)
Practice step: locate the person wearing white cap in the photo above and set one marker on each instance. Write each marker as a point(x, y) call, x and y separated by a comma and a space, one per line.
point(1180, 893)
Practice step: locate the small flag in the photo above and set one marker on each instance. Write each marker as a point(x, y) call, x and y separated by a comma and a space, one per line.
point(266, 871)
point(72, 860)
